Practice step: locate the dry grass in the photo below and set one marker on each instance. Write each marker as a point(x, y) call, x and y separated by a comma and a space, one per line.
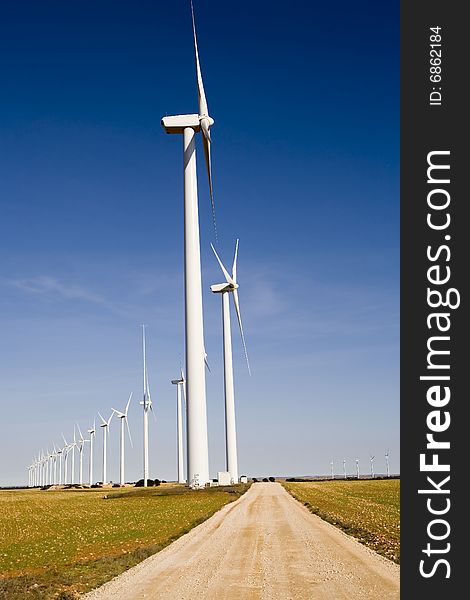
point(366, 509)
point(57, 544)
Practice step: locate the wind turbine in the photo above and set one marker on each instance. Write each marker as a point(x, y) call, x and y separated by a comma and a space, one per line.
point(47, 458)
point(73, 445)
point(92, 432)
point(344, 468)
point(65, 450)
point(105, 425)
point(332, 471)
point(387, 463)
point(123, 417)
point(180, 385)
point(357, 468)
point(81, 445)
point(147, 404)
point(60, 452)
point(189, 125)
point(372, 466)
point(230, 287)
point(55, 455)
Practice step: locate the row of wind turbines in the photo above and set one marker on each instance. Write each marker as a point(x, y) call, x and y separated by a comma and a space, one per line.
point(194, 386)
point(52, 468)
point(357, 475)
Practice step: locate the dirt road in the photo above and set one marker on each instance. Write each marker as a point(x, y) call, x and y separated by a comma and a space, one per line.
point(264, 546)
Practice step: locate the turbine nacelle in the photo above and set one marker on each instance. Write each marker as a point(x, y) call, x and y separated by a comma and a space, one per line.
point(219, 288)
point(178, 123)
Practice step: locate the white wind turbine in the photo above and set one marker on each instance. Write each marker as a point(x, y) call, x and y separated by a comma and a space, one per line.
point(123, 416)
point(147, 405)
point(372, 466)
point(65, 451)
point(105, 425)
point(344, 468)
point(332, 470)
point(81, 445)
point(59, 453)
point(48, 467)
point(92, 432)
point(180, 386)
point(189, 125)
point(357, 468)
point(55, 454)
point(230, 287)
point(387, 463)
point(73, 445)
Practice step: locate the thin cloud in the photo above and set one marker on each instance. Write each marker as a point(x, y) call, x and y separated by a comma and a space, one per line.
point(49, 286)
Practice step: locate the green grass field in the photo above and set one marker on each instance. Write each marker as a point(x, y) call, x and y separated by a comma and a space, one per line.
point(368, 510)
point(58, 544)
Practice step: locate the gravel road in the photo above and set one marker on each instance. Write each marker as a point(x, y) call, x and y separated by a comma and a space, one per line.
point(264, 546)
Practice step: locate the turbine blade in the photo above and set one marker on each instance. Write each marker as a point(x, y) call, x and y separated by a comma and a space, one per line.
point(234, 267)
point(203, 110)
point(224, 270)
point(206, 145)
point(153, 413)
point(128, 431)
point(80, 432)
point(206, 361)
point(127, 405)
point(237, 309)
point(103, 422)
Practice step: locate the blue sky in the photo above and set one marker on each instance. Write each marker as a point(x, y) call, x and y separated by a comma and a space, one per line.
point(305, 98)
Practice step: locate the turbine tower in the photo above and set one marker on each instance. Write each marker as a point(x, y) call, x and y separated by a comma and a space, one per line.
point(189, 125)
point(372, 466)
point(230, 287)
point(123, 417)
point(147, 404)
point(92, 432)
point(344, 468)
point(332, 470)
point(357, 468)
point(105, 425)
point(180, 385)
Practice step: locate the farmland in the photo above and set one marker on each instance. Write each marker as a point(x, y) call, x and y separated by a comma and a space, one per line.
point(57, 544)
point(368, 510)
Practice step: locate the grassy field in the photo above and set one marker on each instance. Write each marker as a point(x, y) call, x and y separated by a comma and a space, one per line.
point(367, 510)
point(58, 544)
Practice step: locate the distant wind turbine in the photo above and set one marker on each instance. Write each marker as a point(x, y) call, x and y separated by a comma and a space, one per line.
point(92, 432)
point(357, 468)
point(189, 125)
point(344, 468)
point(332, 471)
point(73, 446)
point(81, 445)
point(65, 450)
point(230, 287)
point(147, 405)
point(123, 416)
point(180, 386)
point(54, 455)
point(60, 452)
point(372, 466)
point(387, 463)
point(105, 425)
